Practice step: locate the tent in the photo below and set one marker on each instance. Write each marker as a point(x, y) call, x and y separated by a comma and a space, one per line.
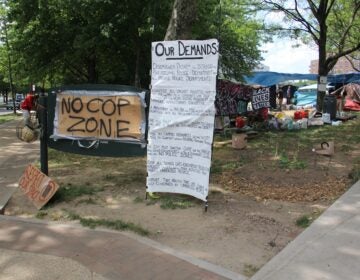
point(351, 92)
point(305, 97)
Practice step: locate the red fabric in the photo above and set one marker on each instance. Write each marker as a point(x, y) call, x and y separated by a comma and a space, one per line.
point(351, 105)
point(28, 102)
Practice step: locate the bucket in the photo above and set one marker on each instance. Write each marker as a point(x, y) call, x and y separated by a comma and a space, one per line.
point(239, 141)
point(330, 106)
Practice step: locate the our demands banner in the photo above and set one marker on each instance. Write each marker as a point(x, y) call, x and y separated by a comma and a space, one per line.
point(181, 116)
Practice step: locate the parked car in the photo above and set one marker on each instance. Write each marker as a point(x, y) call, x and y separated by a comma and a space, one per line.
point(10, 105)
point(19, 97)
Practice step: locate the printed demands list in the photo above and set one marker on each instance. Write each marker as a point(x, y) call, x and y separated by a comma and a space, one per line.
point(181, 116)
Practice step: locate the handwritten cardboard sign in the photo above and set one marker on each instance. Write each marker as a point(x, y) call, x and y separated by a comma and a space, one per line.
point(95, 115)
point(38, 187)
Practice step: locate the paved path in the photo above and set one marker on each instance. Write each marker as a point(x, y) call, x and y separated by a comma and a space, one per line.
point(34, 249)
point(15, 155)
point(110, 254)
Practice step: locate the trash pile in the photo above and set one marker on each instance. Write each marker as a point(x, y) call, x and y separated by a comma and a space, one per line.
point(302, 119)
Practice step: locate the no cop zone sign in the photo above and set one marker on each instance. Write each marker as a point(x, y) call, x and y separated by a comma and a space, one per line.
point(96, 115)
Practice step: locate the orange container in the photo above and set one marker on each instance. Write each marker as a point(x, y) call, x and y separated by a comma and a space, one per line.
point(240, 122)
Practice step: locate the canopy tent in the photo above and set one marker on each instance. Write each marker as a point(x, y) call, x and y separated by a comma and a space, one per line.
point(273, 78)
point(305, 97)
point(352, 96)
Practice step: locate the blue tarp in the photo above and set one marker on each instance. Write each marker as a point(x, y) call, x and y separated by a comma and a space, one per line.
point(305, 98)
point(273, 78)
point(344, 78)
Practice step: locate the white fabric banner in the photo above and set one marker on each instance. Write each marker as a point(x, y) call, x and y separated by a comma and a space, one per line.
point(181, 116)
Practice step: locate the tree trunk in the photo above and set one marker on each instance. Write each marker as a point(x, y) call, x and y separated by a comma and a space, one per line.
point(9, 65)
point(182, 18)
point(323, 68)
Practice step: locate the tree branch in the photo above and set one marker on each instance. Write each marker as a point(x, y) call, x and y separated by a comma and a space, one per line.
point(351, 61)
point(330, 8)
point(342, 53)
point(347, 30)
point(296, 16)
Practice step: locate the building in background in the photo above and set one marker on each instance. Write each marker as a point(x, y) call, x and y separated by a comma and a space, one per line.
point(261, 67)
point(342, 66)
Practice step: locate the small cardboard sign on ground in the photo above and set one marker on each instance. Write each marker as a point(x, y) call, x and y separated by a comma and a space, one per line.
point(38, 187)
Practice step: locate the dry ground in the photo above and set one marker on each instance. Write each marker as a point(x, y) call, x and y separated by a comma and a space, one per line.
point(257, 195)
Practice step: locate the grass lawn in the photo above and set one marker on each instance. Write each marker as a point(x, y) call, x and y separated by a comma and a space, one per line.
point(8, 117)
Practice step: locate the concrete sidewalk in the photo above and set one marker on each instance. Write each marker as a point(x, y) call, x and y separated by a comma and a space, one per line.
point(15, 155)
point(328, 250)
point(46, 250)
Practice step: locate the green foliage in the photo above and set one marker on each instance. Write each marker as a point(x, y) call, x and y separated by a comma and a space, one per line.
point(250, 270)
point(288, 146)
point(7, 118)
point(138, 199)
point(333, 26)
point(86, 41)
point(111, 224)
point(219, 166)
point(88, 200)
point(293, 163)
point(60, 158)
point(175, 203)
point(62, 42)
point(132, 176)
point(41, 214)
point(355, 172)
point(238, 32)
point(304, 221)
point(168, 201)
point(70, 192)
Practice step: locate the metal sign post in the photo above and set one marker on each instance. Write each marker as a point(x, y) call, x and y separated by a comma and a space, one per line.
point(43, 134)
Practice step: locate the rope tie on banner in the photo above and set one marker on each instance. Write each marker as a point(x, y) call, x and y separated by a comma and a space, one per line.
point(93, 144)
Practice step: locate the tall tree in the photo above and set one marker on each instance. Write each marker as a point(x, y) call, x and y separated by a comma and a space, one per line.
point(87, 41)
point(4, 25)
point(333, 25)
point(232, 22)
point(182, 18)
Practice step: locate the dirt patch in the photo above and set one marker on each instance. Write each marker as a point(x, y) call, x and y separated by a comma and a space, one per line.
point(256, 196)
